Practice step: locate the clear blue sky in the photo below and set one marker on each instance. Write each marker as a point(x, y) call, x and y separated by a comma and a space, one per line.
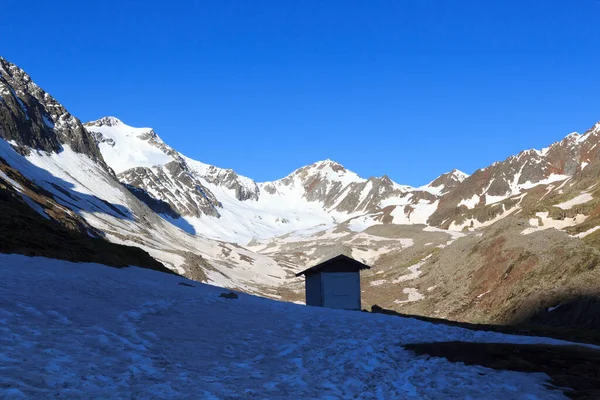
point(408, 88)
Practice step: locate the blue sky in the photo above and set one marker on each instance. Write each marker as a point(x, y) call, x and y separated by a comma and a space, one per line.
point(408, 88)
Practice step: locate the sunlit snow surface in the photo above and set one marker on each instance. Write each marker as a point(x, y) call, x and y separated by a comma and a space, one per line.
point(131, 151)
point(88, 331)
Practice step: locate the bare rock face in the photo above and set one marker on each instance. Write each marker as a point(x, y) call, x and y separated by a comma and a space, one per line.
point(182, 183)
point(32, 118)
point(174, 185)
point(228, 178)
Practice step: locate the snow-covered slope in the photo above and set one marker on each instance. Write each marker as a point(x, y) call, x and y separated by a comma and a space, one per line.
point(224, 205)
point(89, 331)
point(138, 147)
point(83, 187)
point(50, 147)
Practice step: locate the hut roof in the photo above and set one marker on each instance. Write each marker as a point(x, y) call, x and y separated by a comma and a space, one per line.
point(340, 263)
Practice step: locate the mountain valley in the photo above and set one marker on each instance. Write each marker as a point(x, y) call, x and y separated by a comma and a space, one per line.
point(516, 241)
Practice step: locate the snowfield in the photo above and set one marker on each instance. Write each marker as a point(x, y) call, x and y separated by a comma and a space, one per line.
point(70, 330)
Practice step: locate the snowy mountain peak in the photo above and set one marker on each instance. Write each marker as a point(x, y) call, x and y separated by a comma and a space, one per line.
point(327, 170)
point(125, 147)
point(13, 71)
point(105, 121)
point(120, 129)
point(327, 163)
point(446, 182)
point(459, 175)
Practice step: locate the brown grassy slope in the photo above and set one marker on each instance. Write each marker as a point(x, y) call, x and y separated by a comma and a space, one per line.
point(504, 277)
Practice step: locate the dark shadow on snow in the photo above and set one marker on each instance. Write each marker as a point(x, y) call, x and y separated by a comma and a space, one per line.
point(565, 325)
point(65, 194)
point(573, 369)
point(62, 191)
point(162, 208)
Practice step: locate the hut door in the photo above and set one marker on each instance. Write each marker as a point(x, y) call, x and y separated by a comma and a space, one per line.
point(341, 290)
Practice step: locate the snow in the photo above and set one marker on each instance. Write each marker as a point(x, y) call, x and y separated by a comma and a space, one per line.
point(76, 171)
point(48, 122)
point(580, 199)
point(551, 179)
point(458, 176)
point(548, 223)
point(129, 150)
point(407, 213)
point(588, 232)
point(36, 207)
point(240, 221)
point(470, 202)
point(453, 234)
point(360, 224)
point(414, 270)
point(12, 182)
point(413, 295)
point(476, 224)
point(365, 192)
point(516, 188)
point(272, 215)
point(494, 199)
point(329, 170)
point(78, 330)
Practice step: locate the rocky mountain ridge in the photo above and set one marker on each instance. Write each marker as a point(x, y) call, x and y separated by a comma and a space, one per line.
point(32, 118)
point(454, 200)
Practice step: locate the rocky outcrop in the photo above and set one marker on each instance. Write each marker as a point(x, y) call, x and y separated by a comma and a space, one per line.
point(174, 185)
point(31, 118)
point(244, 188)
point(447, 182)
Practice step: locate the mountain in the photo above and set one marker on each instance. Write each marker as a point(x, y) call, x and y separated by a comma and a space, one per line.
point(326, 192)
point(224, 205)
point(404, 231)
point(33, 119)
point(504, 183)
point(447, 182)
point(429, 246)
point(52, 169)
